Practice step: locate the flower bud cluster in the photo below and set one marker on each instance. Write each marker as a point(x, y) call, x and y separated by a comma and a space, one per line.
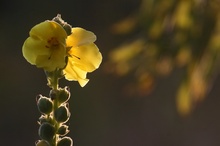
point(67, 27)
point(55, 113)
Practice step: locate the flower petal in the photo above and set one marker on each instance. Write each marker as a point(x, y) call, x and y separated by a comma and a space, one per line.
point(48, 29)
point(86, 57)
point(33, 47)
point(73, 73)
point(55, 60)
point(79, 37)
point(46, 46)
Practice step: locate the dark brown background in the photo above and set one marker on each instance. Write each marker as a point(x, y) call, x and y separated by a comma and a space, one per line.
point(100, 114)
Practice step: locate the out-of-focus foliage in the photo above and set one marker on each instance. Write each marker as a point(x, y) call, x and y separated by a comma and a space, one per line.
point(170, 34)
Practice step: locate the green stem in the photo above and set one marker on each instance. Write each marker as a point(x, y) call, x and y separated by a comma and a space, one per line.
point(53, 82)
point(54, 122)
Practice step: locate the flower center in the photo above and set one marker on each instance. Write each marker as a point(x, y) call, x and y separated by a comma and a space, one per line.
point(52, 42)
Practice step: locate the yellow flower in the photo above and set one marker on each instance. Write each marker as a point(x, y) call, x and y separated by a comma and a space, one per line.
point(46, 46)
point(83, 55)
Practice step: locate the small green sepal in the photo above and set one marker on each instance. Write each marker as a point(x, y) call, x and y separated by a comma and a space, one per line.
point(44, 105)
point(63, 130)
point(62, 114)
point(65, 141)
point(44, 118)
point(64, 95)
point(46, 131)
point(42, 143)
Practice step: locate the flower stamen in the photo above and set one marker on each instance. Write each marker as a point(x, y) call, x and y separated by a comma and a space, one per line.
point(52, 42)
point(76, 56)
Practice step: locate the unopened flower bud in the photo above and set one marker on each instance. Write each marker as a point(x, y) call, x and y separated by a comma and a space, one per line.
point(67, 28)
point(42, 143)
point(46, 131)
point(63, 130)
point(45, 105)
point(62, 114)
point(58, 19)
point(66, 141)
point(53, 94)
point(64, 95)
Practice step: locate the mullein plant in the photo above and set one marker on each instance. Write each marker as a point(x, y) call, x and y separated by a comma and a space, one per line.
point(61, 51)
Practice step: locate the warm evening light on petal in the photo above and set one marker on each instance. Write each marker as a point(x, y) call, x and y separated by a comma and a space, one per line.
point(86, 57)
point(49, 47)
point(83, 55)
point(48, 29)
point(79, 37)
point(73, 73)
point(46, 47)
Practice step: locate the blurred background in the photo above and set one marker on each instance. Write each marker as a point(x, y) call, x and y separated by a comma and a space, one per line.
point(158, 84)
